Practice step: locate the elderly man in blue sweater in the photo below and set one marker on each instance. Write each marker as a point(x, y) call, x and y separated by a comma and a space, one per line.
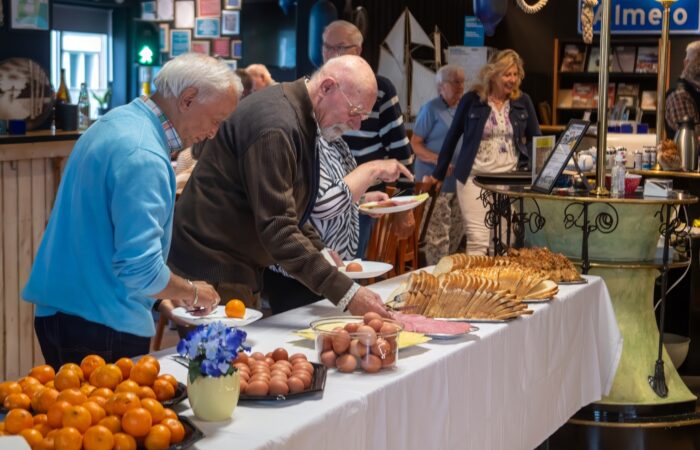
point(102, 260)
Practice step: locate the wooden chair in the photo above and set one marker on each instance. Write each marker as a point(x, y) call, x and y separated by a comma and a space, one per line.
point(157, 340)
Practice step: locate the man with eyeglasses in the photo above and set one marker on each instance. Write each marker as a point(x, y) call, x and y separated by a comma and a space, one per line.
point(382, 135)
point(249, 200)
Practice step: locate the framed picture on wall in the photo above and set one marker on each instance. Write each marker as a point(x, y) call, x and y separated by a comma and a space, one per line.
point(208, 8)
point(232, 63)
point(221, 47)
point(165, 9)
point(148, 10)
point(230, 23)
point(202, 47)
point(207, 27)
point(184, 14)
point(164, 29)
point(232, 4)
point(236, 49)
point(29, 14)
point(180, 41)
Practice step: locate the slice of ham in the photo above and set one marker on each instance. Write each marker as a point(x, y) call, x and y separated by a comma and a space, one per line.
point(421, 324)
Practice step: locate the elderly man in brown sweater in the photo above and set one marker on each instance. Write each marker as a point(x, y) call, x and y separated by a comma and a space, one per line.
point(248, 201)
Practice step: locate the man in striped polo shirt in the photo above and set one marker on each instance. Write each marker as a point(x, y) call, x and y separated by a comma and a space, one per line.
point(382, 135)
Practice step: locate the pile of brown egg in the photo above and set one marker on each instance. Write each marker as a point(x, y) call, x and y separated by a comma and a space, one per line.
point(274, 373)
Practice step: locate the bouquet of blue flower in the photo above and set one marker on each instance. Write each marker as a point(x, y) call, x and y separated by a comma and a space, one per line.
point(211, 349)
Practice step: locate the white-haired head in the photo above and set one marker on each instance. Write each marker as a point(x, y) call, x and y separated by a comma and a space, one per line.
point(210, 76)
point(345, 29)
point(448, 72)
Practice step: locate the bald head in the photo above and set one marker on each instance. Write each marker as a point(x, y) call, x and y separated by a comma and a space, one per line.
point(341, 38)
point(342, 92)
point(260, 76)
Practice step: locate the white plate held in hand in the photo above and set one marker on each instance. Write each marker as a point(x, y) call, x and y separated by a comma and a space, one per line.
point(395, 204)
point(370, 269)
point(218, 315)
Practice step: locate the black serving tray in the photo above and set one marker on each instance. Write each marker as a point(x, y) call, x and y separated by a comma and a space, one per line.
point(180, 395)
point(318, 384)
point(192, 434)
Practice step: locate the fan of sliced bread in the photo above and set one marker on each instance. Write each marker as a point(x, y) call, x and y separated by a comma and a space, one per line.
point(457, 295)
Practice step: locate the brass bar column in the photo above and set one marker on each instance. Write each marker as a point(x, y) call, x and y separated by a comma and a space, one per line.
point(603, 100)
point(663, 74)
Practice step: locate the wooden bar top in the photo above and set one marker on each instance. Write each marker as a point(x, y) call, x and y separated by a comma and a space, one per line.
point(39, 136)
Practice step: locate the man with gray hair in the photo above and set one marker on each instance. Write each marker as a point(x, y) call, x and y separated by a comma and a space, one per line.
point(683, 101)
point(248, 202)
point(102, 260)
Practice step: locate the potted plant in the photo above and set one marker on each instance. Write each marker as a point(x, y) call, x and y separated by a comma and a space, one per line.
point(213, 384)
point(103, 100)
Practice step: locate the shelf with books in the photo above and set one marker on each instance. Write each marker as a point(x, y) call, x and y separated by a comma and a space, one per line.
point(632, 78)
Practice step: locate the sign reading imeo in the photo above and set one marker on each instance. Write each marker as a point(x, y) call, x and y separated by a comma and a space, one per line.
point(645, 16)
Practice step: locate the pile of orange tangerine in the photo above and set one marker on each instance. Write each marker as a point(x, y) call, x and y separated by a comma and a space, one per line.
point(93, 406)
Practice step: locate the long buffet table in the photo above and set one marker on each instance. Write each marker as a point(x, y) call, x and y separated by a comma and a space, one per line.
point(507, 386)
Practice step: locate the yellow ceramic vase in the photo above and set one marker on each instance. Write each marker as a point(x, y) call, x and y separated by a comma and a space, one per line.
point(214, 398)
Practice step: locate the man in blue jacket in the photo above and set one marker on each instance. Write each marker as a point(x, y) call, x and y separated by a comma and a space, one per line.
point(101, 263)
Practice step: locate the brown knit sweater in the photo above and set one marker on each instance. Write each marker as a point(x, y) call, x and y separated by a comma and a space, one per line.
point(254, 184)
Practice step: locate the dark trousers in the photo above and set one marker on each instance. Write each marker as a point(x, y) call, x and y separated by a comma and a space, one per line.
point(366, 223)
point(286, 293)
point(65, 338)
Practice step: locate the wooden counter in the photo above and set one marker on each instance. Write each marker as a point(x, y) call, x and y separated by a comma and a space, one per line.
point(30, 171)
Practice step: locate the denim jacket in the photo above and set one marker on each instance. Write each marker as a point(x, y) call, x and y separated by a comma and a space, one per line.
point(470, 119)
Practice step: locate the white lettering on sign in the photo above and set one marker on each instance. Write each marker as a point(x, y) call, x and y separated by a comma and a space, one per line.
point(636, 17)
point(680, 16)
point(655, 16)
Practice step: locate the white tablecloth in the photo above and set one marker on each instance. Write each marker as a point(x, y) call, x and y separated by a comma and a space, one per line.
point(509, 386)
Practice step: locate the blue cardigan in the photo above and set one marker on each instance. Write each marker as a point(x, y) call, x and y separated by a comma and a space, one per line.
point(470, 120)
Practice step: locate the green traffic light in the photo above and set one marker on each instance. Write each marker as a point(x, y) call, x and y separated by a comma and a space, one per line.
point(146, 55)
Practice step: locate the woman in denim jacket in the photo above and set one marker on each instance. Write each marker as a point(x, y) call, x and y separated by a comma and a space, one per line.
point(497, 122)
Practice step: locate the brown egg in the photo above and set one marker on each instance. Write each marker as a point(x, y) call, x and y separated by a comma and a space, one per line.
point(376, 324)
point(260, 377)
point(295, 384)
point(388, 329)
point(352, 327)
point(381, 348)
point(326, 341)
point(279, 387)
point(258, 356)
point(303, 376)
point(341, 341)
point(243, 367)
point(245, 376)
point(346, 363)
point(269, 360)
point(281, 368)
point(297, 356)
point(280, 353)
point(357, 349)
point(353, 267)
point(242, 357)
point(284, 362)
point(279, 374)
point(260, 368)
point(268, 355)
point(371, 363)
point(257, 387)
point(366, 335)
point(328, 358)
point(304, 365)
point(389, 360)
point(244, 385)
point(368, 317)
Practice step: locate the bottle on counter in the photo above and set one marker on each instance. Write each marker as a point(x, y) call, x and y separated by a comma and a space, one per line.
point(62, 94)
point(619, 171)
point(83, 108)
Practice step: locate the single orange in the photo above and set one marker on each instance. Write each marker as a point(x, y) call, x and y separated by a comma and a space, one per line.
point(98, 438)
point(87, 388)
point(149, 359)
point(44, 373)
point(123, 441)
point(125, 364)
point(40, 418)
point(28, 381)
point(113, 423)
point(17, 401)
point(32, 436)
point(68, 438)
point(108, 375)
point(120, 403)
point(169, 413)
point(55, 413)
point(73, 366)
point(144, 373)
point(146, 392)
point(90, 363)
point(96, 411)
point(128, 386)
point(137, 422)
point(169, 378)
point(66, 379)
point(17, 420)
point(155, 408)
point(78, 417)
point(74, 396)
point(9, 387)
point(164, 390)
point(46, 444)
point(235, 308)
point(158, 438)
point(42, 428)
point(177, 430)
point(43, 399)
point(102, 392)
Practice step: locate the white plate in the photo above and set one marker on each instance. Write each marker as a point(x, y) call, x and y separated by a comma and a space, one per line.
point(218, 315)
point(443, 336)
point(370, 269)
point(407, 202)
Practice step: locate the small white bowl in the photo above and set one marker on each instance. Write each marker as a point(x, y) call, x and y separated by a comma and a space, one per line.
point(677, 348)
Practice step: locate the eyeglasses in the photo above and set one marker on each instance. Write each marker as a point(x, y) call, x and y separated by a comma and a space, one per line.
point(338, 49)
point(354, 110)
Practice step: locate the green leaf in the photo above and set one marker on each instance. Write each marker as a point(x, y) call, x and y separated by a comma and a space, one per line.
point(194, 370)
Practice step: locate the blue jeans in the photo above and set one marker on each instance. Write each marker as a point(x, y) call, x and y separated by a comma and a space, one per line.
point(66, 338)
point(366, 223)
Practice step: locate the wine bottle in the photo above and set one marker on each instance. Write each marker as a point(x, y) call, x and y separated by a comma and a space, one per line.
point(62, 94)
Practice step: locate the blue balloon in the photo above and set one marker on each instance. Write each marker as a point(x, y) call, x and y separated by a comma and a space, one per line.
point(322, 13)
point(490, 13)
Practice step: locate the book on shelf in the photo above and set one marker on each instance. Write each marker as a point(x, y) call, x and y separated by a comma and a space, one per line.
point(623, 57)
point(649, 100)
point(574, 58)
point(593, 60)
point(565, 100)
point(647, 60)
point(583, 95)
point(631, 89)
